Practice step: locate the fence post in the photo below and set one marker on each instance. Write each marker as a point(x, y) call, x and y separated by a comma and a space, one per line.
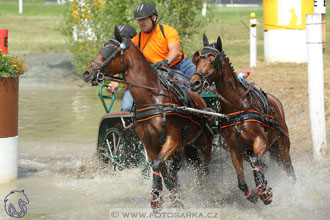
point(316, 83)
point(253, 40)
point(204, 9)
point(320, 7)
point(20, 6)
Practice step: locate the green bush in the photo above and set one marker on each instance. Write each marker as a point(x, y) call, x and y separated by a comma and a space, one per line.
point(95, 21)
point(11, 66)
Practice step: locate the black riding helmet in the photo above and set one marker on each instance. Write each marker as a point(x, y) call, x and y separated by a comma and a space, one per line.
point(144, 10)
point(127, 31)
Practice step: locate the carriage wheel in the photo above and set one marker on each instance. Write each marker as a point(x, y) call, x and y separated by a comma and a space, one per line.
point(112, 150)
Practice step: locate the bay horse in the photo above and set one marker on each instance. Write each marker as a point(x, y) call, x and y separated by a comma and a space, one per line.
point(161, 126)
point(256, 119)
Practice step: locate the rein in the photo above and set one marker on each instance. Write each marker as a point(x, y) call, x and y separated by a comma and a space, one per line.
point(178, 72)
point(121, 80)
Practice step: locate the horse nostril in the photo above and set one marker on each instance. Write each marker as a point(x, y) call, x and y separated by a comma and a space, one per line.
point(87, 75)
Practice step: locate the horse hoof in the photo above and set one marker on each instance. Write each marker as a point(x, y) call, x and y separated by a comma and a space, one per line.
point(252, 196)
point(268, 202)
point(157, 206)
point(178, 205)
point(156, 203)
point(266, 196)
point(157, 210)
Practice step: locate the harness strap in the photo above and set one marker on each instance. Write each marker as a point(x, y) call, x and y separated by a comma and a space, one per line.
point(238, 139)
point(147, 112)
point(163, 132)
point(251, 86)
point(122, 60)
point(250, 116)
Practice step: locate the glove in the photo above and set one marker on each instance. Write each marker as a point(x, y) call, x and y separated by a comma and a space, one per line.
point(163, 63)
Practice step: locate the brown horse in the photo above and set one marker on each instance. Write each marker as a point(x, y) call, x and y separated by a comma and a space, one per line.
point(256, 120)
point(161, 125)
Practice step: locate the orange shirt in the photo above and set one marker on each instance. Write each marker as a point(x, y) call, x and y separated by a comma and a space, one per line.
point(156, 48)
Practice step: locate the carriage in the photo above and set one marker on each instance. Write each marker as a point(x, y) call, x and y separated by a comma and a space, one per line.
point(119, 146)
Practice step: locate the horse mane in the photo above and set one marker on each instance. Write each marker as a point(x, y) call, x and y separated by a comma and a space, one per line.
point(223, 54)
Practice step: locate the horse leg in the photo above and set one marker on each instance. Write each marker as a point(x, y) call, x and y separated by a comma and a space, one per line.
point(238, 165)
point(156, 200)
point(169, 147)
point(264, 192)
point(204, 144)
point(171, 180)
point(285, 158)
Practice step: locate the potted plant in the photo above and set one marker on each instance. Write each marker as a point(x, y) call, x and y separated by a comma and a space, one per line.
point(11, 67)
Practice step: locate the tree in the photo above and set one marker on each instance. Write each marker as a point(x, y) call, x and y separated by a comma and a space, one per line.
point(90, 23)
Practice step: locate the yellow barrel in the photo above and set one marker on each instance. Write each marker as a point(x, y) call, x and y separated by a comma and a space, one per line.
point(286, 14)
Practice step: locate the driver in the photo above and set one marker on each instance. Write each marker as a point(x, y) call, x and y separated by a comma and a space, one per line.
point(159, 43)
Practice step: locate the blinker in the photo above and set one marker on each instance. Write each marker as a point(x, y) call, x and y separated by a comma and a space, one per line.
point(107, 51)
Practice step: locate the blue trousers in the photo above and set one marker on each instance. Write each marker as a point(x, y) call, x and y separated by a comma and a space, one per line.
point(127, 103)
point(186, 66)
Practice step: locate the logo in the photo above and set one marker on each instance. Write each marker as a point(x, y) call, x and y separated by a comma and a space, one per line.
point(15, 204)
point(6, 42)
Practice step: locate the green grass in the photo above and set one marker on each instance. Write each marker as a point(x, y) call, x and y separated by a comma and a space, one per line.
point(30, 8)
point(36, 30)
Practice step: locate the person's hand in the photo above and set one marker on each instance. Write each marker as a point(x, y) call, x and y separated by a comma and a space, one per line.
point(113, 86)
point(163, 63)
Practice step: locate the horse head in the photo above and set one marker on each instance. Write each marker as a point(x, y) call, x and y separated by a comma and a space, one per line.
point(109, 61)
point(208, 63)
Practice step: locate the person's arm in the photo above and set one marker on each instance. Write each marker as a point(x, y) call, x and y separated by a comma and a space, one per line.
point(113, 86)
point(173, 52)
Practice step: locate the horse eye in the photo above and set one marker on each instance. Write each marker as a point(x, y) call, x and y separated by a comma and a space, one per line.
point(212, 61)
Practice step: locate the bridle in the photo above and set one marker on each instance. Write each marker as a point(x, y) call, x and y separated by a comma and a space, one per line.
point(218, 57)
point(98, 75)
